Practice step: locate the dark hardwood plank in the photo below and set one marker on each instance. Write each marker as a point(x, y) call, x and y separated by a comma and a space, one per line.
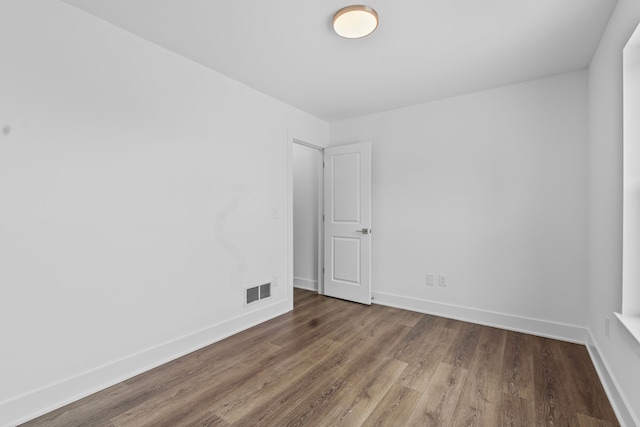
point(354, 403)
point(414, 342)
point(426, 359)
point(177, 402)
point(395, 408)
point(236, 403)
point(327, 378)
point(464, 346)
point(278, 383)
point(95, 410)
point(360, 317)
point(581, 381)
point(438, 402)
point(335, 363)
point(553, 407)
point(587, 421)
point(517, 371)
point(480, 402)
point(517, 411)
point(350, 404)
point(407, 318)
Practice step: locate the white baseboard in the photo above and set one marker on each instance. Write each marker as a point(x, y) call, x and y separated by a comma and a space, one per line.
point(310, 285)
point(571, 333)
point(53, 396)
point(618, 401)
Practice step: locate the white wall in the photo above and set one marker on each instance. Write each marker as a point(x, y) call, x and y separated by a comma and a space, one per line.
point(619, 352)
point(489, 188)
point(137, 192)
point(631, 177)
point(307, 166)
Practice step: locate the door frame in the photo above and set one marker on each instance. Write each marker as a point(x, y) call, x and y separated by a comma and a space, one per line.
point(320, 195)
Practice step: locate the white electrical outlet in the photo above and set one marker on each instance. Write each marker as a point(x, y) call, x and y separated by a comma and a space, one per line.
point(442, 280)
point(431, 279)
point(607, 321)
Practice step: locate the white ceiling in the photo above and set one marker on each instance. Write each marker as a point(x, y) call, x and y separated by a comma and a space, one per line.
point(422, 50)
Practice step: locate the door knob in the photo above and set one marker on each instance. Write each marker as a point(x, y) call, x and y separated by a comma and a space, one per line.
point(364, 231)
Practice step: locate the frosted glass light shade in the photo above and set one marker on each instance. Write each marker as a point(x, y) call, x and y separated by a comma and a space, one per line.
point(356, 21)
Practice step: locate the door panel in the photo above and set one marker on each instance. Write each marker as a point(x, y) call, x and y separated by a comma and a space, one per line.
point(347, 236)
point(346, 188)
point(344, 251)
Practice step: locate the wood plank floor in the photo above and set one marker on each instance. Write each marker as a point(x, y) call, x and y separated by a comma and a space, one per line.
point(335, 363)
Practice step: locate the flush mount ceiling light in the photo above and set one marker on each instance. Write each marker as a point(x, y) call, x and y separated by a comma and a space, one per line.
point(356, 21)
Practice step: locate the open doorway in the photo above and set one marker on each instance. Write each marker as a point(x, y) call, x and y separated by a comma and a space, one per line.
point(307, 216)
point(336, 179)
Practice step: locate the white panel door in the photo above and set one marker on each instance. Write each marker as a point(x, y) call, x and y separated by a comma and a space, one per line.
point(347, 222)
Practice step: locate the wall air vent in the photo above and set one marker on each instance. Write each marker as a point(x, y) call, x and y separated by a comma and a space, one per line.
point(253, 295)
point(265, 290)
point(257, 293)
